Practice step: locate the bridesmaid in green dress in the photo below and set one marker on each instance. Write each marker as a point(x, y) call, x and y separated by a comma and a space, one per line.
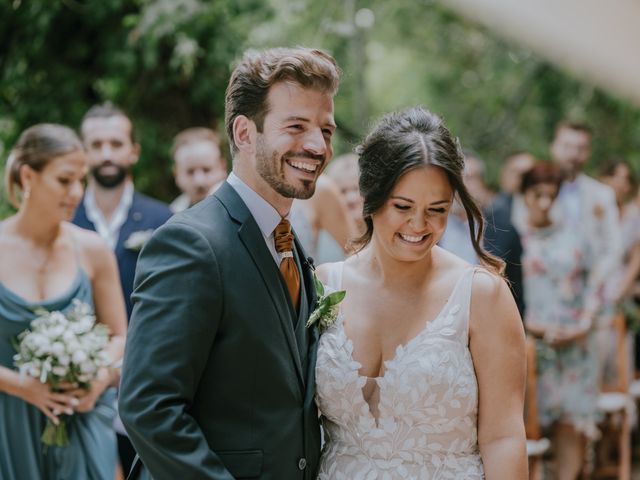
point(47, 262)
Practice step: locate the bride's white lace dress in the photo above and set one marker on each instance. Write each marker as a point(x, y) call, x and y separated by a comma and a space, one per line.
point(423, 424)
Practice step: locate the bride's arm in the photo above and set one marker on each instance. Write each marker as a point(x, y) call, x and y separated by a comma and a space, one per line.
point(497, 344)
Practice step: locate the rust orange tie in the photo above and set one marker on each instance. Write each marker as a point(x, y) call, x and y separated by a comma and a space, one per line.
point(284, 246)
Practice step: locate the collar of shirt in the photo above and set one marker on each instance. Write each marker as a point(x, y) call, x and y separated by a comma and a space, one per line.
point(109, 230)
point(265, 215)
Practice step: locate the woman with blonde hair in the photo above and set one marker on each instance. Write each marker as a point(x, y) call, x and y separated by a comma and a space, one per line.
point(48, 263)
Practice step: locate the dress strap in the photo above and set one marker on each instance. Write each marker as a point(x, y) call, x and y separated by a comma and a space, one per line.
point(461, 300)
point(467, 285)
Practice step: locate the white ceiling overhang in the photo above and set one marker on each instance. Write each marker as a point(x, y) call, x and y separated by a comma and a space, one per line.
point(596, 40)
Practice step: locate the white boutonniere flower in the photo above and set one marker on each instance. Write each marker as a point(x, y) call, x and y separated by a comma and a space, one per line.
point(137, 239)
point(326, 311)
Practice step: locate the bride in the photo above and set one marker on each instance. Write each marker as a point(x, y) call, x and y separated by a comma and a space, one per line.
point(422, 374)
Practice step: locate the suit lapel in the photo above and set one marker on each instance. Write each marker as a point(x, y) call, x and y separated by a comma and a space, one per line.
point(253, 241)
point(307, 337)
point(307, 276)
point(80, 217)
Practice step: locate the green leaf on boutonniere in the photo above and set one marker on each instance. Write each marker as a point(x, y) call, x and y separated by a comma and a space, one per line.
point(336, 297)
point(326, 311)
point(319, 285)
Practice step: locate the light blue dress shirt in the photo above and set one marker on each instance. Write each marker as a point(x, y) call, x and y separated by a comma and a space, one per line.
point(265, 215)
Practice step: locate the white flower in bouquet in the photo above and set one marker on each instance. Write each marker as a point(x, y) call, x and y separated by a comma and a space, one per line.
point(63, 348)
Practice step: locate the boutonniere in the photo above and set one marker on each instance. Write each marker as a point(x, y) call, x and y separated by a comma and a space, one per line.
point(326, 310)
point(137, 240)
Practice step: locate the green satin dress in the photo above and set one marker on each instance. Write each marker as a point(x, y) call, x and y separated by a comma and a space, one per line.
point(91, 453)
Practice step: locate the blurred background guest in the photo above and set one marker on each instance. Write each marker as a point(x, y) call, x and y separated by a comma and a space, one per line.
point(618, 175)
point(326, 211)
point(561, 308)
point(344, 171)
point(584, 204)
point(123, 217)
point(457, 236)
point(47, 263)
point(499, 237)
point(622, 288)
point(513, 167)
point(198, 165)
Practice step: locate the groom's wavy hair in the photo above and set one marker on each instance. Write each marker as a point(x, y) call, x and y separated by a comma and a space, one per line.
point(257, 72)
point(405, 141)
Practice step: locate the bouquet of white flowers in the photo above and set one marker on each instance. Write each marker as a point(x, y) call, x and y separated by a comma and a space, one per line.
point(60, 348)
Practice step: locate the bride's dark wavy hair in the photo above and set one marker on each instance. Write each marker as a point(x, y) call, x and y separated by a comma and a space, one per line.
point(404, 141)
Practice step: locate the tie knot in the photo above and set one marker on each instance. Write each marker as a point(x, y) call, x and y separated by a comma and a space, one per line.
point(283, 237)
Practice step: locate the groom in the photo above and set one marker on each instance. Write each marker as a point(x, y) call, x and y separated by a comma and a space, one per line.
point(218, 376)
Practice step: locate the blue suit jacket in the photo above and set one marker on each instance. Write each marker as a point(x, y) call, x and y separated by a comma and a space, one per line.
point(145, 214)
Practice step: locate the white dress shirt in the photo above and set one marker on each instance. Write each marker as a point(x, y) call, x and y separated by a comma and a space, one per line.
point(109, 230)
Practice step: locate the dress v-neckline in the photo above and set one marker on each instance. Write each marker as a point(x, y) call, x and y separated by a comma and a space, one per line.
point(52, 300)
point(401, 347)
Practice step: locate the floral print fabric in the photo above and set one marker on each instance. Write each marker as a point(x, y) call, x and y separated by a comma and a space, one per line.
point(555, 269)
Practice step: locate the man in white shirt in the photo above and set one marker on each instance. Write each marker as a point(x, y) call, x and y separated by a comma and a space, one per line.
point(123, 217)
point(584, 204)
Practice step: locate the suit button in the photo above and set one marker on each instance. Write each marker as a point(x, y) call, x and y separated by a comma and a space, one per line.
point(302, 463)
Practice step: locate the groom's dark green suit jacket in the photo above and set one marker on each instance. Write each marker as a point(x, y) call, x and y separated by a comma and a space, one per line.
point(218, 377)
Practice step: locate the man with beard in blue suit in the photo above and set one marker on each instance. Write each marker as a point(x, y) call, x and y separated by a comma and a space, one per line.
point(123, 217)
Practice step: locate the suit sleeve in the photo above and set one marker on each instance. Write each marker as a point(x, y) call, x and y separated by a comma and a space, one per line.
point(177, 310)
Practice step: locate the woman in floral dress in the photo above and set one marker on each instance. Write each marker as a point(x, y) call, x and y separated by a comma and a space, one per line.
point(560, 310)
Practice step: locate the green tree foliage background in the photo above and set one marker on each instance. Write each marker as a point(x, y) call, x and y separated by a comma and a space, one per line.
point(167, 63)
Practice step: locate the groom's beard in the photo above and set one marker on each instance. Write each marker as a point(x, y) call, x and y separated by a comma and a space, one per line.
point(110, 180)
point(270, 167)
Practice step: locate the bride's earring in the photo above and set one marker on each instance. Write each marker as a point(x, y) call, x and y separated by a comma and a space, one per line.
point(27, 193)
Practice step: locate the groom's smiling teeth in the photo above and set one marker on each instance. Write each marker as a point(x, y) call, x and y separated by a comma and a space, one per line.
point(305, 167)
point(412, 238)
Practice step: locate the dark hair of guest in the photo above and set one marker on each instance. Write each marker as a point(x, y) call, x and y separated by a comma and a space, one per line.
point(542, 172)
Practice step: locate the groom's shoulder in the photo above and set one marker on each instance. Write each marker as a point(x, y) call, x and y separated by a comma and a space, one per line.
point(207, 217)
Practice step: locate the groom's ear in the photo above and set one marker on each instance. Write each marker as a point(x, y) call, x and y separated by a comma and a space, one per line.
point(245, 134)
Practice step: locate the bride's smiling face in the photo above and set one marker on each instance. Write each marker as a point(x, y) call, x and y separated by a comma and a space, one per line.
point(414, 216)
